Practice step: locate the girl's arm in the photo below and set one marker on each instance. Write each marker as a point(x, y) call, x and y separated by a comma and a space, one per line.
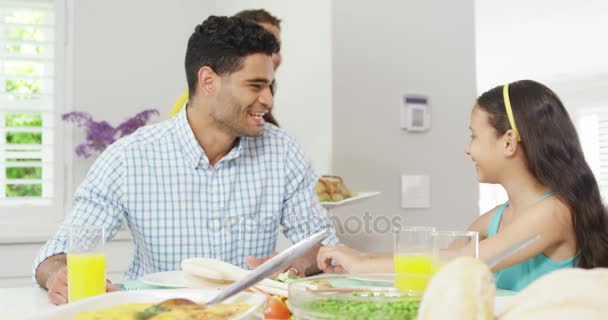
point(549, 219)
point(342, 259)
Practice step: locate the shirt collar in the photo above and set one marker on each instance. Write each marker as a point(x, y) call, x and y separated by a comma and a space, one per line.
point(195, 155)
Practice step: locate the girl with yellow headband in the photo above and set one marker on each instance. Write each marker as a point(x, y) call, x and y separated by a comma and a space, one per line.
point(523, 139)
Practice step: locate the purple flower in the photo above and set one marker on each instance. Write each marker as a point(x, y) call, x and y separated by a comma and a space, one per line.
point(139, 120)
point(100, 134)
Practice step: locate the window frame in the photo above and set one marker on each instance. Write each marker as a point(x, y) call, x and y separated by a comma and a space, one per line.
point(15, 219)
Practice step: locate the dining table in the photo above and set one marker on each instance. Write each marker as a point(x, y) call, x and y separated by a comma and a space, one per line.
point(24, 302)
point(28, 302)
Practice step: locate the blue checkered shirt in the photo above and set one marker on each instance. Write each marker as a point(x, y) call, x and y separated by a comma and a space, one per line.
point(178, 206)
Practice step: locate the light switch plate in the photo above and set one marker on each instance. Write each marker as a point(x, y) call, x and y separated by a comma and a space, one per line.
point(415, 191)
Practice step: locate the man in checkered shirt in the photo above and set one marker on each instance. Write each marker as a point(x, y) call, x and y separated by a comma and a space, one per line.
point(214, 181)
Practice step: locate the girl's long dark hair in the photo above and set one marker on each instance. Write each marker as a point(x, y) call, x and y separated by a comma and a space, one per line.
point(554, 155)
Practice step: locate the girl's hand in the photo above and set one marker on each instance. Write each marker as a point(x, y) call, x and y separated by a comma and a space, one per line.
point(342, 259)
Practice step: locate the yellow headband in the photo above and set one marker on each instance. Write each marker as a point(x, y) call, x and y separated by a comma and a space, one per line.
point(505, 94)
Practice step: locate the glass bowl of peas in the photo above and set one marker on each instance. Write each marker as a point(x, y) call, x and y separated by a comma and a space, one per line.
point(364, 296)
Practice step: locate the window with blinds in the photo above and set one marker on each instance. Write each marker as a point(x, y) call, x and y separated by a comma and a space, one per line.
point(593, 133)
point(27, 102)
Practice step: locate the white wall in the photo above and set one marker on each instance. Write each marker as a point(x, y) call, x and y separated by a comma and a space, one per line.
point(545, 40)
point(128, 56)
point(381, 50)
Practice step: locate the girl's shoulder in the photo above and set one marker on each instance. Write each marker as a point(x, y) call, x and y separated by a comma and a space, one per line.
point(553, 209)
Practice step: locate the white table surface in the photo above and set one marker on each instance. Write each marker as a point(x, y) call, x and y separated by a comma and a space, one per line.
point(22, 303)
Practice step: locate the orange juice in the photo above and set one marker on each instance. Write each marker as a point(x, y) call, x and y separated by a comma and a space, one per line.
point(86, 275)
point(412, 271)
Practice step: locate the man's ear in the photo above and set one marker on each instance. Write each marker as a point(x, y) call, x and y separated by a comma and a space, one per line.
point(208, 81)
point(510, 143)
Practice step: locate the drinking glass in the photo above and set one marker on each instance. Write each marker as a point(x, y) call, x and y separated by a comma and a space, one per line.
point(448, 245)
point(86, 262)
point(412, 258)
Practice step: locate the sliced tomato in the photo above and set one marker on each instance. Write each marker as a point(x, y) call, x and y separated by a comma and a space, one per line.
point(276, 309)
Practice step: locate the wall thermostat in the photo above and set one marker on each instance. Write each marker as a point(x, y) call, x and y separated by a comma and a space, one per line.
point(415, 113)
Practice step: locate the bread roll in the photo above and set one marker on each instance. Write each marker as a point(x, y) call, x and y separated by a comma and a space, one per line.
point(213, 269)
point(565, 294)
point(332, 188)
point(462, 290)
point(193, 281)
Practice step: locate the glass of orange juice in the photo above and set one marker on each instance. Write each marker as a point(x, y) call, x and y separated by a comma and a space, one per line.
point(412, 258)
point(448, 245)
point(86, 262)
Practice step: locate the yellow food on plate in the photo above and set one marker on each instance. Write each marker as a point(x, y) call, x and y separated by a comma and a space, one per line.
point(132, 311)
point(332, 188)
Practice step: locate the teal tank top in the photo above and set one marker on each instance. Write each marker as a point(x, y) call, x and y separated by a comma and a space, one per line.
point(518, 276)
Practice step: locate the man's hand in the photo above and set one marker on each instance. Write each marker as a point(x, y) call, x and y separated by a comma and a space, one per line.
point(304, 266)
point(57, 286)
point(52, 274)
point(253, 263)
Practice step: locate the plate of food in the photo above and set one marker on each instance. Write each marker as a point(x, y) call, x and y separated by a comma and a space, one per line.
point(134, 305)
point(332, 191)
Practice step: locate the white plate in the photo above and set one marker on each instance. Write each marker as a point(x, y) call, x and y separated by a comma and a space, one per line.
point(359, 196)
point(111, 299)
point(169, 279)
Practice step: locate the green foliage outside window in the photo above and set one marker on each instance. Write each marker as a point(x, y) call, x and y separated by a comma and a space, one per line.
point(24, 137)
point(20, 160)
point(24, 173)
point(26, 49)
point(24, 120)
point(22, 86)
point(24, 190)
point(24, 34)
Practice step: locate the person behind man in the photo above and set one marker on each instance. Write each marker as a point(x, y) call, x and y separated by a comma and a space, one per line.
point(214, 181)
point(271, 24)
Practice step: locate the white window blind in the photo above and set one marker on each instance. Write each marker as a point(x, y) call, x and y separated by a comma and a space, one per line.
point(593, 133)
point(27, 102)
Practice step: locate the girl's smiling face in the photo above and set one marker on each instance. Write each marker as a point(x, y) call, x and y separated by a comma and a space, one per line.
point(485, 147)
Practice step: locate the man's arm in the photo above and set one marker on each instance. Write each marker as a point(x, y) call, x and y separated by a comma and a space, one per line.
point(99, 202)
point(303, 214)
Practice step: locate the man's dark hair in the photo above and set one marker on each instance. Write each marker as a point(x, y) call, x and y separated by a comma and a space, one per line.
point(222, 43)
point(259, 16)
